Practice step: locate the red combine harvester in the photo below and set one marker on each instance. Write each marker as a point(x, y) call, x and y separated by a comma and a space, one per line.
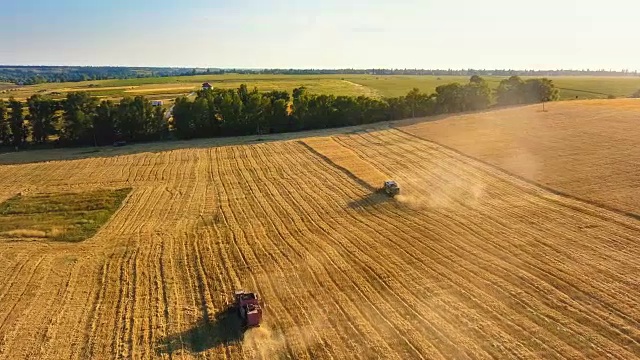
point(248, 308)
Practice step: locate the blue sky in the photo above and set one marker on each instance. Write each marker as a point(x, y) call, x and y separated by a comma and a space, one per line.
point(323, 34)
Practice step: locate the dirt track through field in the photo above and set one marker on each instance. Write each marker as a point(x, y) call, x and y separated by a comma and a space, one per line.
point(468, 262)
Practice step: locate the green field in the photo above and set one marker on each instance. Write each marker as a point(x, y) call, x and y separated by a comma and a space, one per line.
point(61, 217)
point(570, 86)
point(168, 88)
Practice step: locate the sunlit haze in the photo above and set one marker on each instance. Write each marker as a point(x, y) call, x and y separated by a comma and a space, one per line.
point(545, 34)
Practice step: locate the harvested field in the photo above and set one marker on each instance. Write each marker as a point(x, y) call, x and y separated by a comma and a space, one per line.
point(587, 149)
point(469, 262)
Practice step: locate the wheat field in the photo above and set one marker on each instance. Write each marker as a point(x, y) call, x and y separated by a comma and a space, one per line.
point(587, 149)
point(469, 262)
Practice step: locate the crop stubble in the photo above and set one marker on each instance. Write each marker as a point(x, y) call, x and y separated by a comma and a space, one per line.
point(468, 262)
point(587, 149)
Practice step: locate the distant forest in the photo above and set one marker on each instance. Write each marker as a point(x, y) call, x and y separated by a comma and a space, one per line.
point(30, 75)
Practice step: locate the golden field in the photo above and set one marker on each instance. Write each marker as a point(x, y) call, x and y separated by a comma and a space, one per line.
point(509, 240)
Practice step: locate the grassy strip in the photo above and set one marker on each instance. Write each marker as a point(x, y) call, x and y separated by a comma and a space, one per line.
point(70, 217)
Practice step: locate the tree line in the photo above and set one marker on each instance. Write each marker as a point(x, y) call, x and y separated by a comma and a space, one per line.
point(432, 72)
point(30, 75)
point(81, 119)
point(224, 112)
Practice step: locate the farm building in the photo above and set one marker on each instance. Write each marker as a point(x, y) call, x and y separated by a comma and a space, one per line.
point(206, 86)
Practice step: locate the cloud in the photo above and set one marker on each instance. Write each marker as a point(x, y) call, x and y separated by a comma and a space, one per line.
point(367, 29)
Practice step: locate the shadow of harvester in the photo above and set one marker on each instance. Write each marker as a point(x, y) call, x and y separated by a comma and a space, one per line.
point(226, 328)
point(374, 198)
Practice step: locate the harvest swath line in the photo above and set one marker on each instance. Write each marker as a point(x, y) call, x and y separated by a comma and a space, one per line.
point(343, 248)
point(291, 233)
point(262, 212)
point(468, 262)
point(412, 151)
point(248, 256)
point(415, 239)
point(303, 255)
point(287, 235)
point(550, 199)
point(356, 256)
point(56, 317)
point(96, 304)
point(334, 253)
point(542, 186)
point(21, 291)
point(19, 309)
point(298, 246)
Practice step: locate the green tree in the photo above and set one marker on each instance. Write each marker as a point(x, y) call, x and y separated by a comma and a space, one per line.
point(152, 119)
point(511, 91)
point(276, 95)
point(374, 110)
point(476, 79)
point(417, 103)
point(104, 123)
point(42, 116)
point(202, 117)
point(136, 120)
point(158, 125)
point(300, 107)
point(346, 111)
point(245, 94)
point(79, 110)
point(278, 118)
point(255, 114)
point(398, 108)
point(183, 118)
point(540, 90)
point(16, 123)
point(5, 129)
point(320, 110)
point(477, 94)
point(230, 107)
point(450, 98)
point(127, 119)
point(412, 100)
point(276, 112)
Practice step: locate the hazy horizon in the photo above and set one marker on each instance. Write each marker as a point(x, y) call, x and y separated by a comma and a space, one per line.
point(304, 68)
point(287, 34)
